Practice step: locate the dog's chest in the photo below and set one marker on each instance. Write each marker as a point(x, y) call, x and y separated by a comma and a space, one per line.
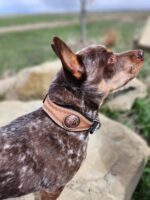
point(37, 156)
point(66, 160)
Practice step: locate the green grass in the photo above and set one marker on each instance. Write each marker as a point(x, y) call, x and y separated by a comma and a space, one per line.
point(25, 19)
point(143, 189)
point(141, 112)
point(20, 50)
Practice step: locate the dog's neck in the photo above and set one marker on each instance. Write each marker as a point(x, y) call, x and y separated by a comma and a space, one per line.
point(83, 99)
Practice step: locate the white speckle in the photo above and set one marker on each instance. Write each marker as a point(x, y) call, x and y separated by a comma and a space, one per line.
point(9, 173)
point(7, 146)
point(60, 141)
point(45, 181)
point(30, 171)
point(24, 169)
point(70, 162)
point(81, 137)
point(72, 133)
point(28, 152)
point(20, 186)
point(13, 129)
point(70, 151)
point(22, 158)
point(84, 148)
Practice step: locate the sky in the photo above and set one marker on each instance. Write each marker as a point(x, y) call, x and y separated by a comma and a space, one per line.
point(42, 6)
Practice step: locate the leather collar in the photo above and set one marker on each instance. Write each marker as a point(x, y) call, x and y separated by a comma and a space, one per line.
point(69, 119)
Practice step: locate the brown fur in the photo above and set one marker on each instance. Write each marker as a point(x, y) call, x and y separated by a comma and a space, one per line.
point(38, 155)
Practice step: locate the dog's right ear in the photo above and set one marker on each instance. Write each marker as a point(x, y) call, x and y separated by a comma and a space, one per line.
point(68, 58)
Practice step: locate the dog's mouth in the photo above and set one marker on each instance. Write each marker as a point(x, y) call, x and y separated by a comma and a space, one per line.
point(135, 68)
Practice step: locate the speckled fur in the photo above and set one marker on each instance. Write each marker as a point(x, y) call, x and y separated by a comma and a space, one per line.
point(35, 154)
point(38, 155)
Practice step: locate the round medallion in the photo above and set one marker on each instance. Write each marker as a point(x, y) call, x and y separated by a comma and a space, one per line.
point(72, 121)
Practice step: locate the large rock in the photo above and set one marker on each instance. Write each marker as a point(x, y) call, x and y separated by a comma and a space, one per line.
point(144, 39)
point(26, 197)
point(115, 160)
point(29, 83)
point(124, 98)
point(6, 85)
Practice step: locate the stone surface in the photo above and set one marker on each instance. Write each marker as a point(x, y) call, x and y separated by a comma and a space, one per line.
point(9, 110)
point(124, 98)
point(30, 82)
point(5, 85)
point(26, 197)
point(144, 40)
point(115, 160)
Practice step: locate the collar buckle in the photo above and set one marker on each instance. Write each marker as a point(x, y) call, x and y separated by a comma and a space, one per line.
point(96, 125)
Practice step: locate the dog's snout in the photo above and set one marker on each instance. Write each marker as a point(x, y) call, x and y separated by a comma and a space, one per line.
point(140, 54)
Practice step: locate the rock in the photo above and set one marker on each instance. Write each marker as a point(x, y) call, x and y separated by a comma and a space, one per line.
point(115, 160)
point(30, 82)
point(124, 98)
point(26, 197)
point(144, 40)
point(147, 81)
point(5, 85)
point(9, 110)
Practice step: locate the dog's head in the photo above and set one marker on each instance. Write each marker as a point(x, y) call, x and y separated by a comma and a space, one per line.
point(99, 67)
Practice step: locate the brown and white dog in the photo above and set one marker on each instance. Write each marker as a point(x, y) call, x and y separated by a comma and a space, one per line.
point(36, 152)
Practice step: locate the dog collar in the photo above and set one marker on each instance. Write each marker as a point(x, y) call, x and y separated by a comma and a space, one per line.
point(69, 119)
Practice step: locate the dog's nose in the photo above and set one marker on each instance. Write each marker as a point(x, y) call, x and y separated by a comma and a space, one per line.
point(140, 54)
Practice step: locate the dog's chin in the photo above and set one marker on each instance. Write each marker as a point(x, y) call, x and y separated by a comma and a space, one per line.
point(135, 68)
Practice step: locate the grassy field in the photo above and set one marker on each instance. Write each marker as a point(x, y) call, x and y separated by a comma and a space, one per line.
point(20, 50)
point(25, 19)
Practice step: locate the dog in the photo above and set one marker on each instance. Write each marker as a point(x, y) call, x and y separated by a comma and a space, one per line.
point(43, 150)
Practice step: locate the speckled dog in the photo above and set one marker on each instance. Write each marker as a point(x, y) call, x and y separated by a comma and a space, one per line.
point(39, 154)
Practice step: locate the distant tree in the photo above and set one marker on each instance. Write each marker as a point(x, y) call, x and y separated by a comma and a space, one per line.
point(83, 20)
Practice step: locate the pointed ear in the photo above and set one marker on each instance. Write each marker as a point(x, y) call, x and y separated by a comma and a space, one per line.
point(54, 49)
point(67, 57)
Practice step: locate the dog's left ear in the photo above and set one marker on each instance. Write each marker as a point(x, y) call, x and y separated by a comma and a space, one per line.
point(68, 58)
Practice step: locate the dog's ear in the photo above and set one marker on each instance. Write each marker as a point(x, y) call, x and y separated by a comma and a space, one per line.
point(68, 58)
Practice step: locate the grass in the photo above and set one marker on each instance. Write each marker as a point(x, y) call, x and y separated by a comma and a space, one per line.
point(20, 50)
point(143, 189)
point(25, 19)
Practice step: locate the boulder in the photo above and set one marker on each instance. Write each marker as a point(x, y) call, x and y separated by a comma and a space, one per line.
point(26, 197)
point(10, 110)
point(115, 160)
point(6, 85)
point(33, 82)
point(123, 98)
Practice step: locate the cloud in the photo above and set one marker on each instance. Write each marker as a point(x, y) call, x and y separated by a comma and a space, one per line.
point(120, 4)
point(37, 6)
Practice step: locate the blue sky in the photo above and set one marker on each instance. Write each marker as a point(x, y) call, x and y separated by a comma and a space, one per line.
point(41, 6)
